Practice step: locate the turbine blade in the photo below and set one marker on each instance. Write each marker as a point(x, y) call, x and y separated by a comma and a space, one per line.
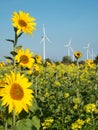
point(72, 50)
point(69, 42)
point(48, 39)
point(43, 29)
point(66, 45)
point(42, 39)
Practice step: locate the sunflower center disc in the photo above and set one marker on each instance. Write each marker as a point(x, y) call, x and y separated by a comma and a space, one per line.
point(22, 23)
point(78, 54)
point(16, 92)
point(24, 59)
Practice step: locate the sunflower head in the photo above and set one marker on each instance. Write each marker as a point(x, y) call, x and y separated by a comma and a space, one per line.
point(90, 63)
point(78, 54)
point(24, 58)
point(16, 93)
point(23, 22)
point(38, 59)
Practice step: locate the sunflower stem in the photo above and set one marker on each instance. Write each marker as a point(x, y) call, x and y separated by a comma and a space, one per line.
point(14, 48)
point(15, 41)
point(77, 92)
point(93, 120)
point(5, 124)
point(13, 119)
point(36, 88)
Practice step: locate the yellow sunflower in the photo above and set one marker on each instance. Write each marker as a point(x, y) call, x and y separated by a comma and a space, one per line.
point(23, 22)
point(24, 58)
point(38, 59)
point(2, 83)
point(90, 63)
point(78, 54)
point(16, 93)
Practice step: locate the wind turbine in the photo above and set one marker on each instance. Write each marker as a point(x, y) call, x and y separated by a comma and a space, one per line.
point(72, 53)
point(69, 48)
point(87, 50)
point(92, 54)
point(43, 40)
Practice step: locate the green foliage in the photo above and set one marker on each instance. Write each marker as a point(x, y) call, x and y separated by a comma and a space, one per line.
point(66, 60)
point(23, 124)
point(61, 93)
point(36, 122)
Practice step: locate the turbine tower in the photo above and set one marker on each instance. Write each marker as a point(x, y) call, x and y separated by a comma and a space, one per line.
point(87, 51)
point(73, 57)
point(92, 54)
point(43, 40)
point(68, 47)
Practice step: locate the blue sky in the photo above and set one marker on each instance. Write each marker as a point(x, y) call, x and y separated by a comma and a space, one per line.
point(63, 19)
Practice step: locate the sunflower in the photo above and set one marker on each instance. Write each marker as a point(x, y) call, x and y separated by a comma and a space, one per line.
point(23, 22)
point(38, 59)
point(16, 93)
point(78, 54)
point(90, 63)
point(24, 58)
point(2, 83)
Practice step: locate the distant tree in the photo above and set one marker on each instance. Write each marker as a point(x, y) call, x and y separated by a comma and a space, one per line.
point(48, 60)
point(96, 59)
point(57, 62)
point(66, 60)
point(82, 62)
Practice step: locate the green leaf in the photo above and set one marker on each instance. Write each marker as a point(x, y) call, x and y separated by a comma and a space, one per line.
point(13, 53)
point(19, 34)
point(24, 124)
point(18, 47)
point(12, 41)
point(42, 99)
point(1, 128)
point(34, 106)
point(36, 122)
point(8, 57)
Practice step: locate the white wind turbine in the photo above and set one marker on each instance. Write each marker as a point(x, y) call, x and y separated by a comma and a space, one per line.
point(87, 50)
point(68, 46)
point(92, 54)
point(43, 40)
point(73, 57)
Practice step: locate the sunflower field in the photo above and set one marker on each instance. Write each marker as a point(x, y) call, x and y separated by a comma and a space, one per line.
point(49, 96)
